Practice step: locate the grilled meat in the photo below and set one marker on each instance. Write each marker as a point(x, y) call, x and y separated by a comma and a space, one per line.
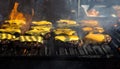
point(97, 38)
point(60, 31)
point(89, 23)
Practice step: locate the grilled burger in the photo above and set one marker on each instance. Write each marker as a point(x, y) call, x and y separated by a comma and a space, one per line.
point(97, 38)
point(36, 32)
point(87, 29)
point(99, 29)
point(42, 23)
point(6, 36)
point(66, 21)
point(17, 22)
point(64, 31)
point(41, 28)
point(89, 23)
point(69, 40)
point(30, 39)
point(10, 30)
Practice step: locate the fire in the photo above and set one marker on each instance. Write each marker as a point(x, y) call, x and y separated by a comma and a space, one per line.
point(93, 12)
point(115, 25)
point(15, 15)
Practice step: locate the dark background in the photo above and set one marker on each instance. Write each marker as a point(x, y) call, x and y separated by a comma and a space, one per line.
point(58, 64)
point(50, 9)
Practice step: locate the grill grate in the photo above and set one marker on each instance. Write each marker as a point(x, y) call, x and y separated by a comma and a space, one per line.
point(103, 50)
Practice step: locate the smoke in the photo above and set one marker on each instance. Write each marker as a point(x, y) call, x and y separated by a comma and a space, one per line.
point(5, 8)
point(53, 10)
point(38, 10)
point(73, 6)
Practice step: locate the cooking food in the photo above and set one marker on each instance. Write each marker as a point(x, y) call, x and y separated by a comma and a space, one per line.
point(41, 28)
point(30, 39)
point(10, 30)
point(60, 31)
point(97, 38)
point(87, 29)
point(37, 32)
point(64, 40)
point(93, 29)
point(47, 23)
point(17, 22)
point(66, 21)
point(67, 38)
point(89, 23)
point(98, 29)
point(6, 36)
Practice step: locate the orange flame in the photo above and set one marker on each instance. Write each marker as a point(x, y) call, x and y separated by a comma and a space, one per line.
point(93, 12)
point(15, 15)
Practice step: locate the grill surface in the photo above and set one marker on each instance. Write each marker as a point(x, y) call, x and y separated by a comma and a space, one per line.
point(97, 51)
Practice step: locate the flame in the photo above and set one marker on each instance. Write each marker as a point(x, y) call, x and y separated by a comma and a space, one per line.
point(15, 15)
point(115, 25)
point(93, 12)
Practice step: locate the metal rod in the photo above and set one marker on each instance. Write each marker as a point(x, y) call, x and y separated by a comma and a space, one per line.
point(79, 5)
